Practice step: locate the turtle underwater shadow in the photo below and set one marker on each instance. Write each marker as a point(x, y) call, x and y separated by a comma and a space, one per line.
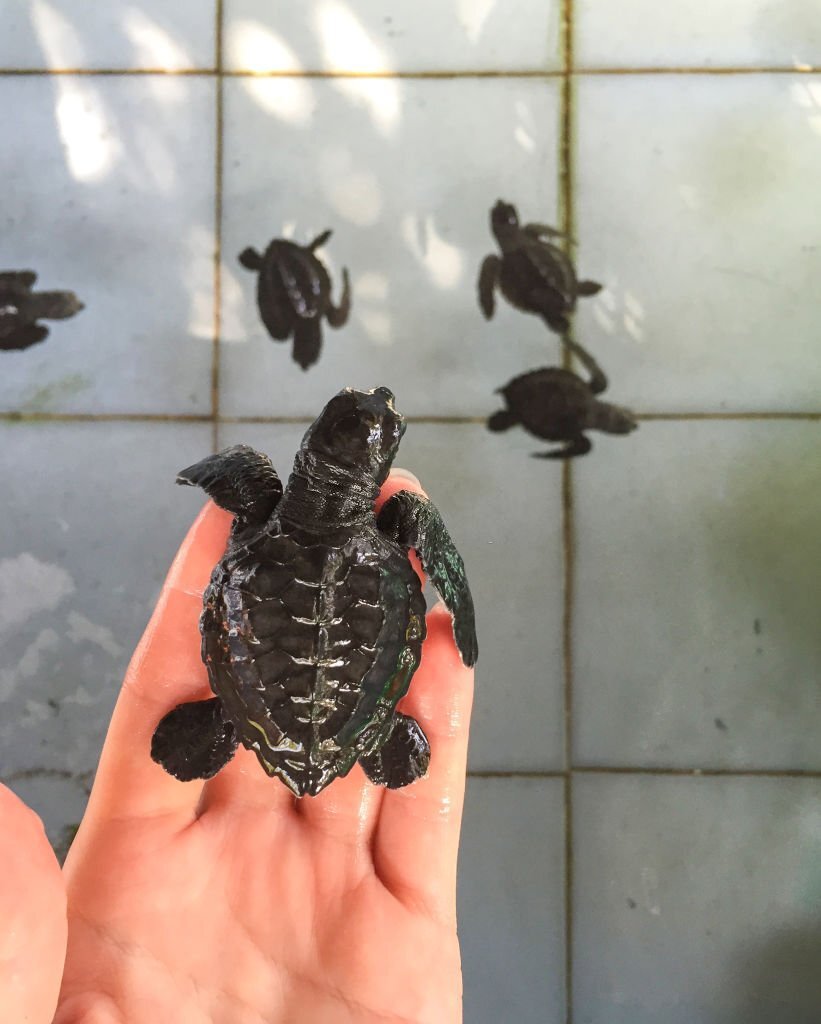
point(21, 309)
point(313, 622)
point(551, 403)
point(294, 294)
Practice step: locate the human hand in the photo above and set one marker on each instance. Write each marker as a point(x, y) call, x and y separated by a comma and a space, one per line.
point(230, 901)
point(32, 916)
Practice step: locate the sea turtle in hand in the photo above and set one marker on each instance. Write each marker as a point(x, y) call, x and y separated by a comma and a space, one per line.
point(533, 275)
point(21, 308)
point(314, 619)
point(294, 293)
point(558, 405)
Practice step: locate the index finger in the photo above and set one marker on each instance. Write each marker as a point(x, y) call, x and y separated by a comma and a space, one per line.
point(166, 670)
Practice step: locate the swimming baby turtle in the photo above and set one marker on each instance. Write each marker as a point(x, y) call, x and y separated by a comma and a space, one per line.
point(314, 619)
point(21, 308)
point(294, 293)
point(558, 405)
point(533, 275)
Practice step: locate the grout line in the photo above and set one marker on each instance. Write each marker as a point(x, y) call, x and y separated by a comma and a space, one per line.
point(434, 74)
point(738, 773)
point(218, 188)
point(12, 415)
point(568, 533)
point(515, 775)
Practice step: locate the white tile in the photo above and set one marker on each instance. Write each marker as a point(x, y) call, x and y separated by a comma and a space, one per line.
point(696, 640)
point(109, 192)
point(511, 901)
point(405, 172)
point(375, 36)
point(710, 263)
point(504, 513)
point(91, 520)
point(696, 900)
point(116, 34)
point(732, 33)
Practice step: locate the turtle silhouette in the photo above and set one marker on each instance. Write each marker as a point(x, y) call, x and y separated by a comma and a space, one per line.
point(294, 294)
point(533, 275)
point(21, 308)
point(558, 405)
point(314, 618)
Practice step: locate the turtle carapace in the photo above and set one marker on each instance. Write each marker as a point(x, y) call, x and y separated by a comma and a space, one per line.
point(21, 308)
point(533, 275)
point(558, 405)
point(294, 294)
point(314, 618)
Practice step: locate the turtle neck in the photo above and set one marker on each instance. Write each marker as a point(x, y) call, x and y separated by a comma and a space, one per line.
point(323, 495)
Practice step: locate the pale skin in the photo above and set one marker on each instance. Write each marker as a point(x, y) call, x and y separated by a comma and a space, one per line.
point(231, 902)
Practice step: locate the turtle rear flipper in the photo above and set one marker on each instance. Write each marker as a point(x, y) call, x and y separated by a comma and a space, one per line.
point(24, 337)
point(239, 479)
point(415, 522)
point(588, 288)
point(18, 281)
point(403, 758)
point(580, 445)
point(338, 315)
point(194, 741)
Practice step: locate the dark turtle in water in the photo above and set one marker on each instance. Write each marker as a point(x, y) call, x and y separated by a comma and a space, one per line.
point(558, 405)
point(294, 293)
point(21, 308)
point(314, 619)
point(533, 275)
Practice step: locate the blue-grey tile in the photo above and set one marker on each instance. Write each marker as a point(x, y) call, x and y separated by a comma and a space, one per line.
point(109, 192)
point(696, 638)
point(710, 267)
point(116, 34)
point(504, 513)
point(733, 33)
point(696, 900)
point(91, 521)
point(511, 901)
point(405, 171)
point(378, 36)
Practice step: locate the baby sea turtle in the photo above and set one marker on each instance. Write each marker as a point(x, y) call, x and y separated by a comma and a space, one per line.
point(558, 405)
point(21, 308)
point(294, 293)
point(314, 619)
point(533, 275)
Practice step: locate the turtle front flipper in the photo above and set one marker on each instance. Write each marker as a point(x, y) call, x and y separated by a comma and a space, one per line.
point(320, 240)
point(250, 258)
point(598, 378)
point(542, 231)
point(194, 741)
point(488, 279)
point(19, 281)
point(338, 315)
point(402, 759)
point(24, 337)
point(307, 342)
point(415, 522)
point(239, 479)
point(579, 445)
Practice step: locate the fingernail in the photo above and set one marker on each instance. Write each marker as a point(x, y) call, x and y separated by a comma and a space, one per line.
point(406, 474)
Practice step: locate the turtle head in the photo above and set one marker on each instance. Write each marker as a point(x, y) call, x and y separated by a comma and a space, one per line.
point(358, 430)
point(504, 222)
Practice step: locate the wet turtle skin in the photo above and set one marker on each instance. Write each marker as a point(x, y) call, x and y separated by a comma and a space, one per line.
point(558, 405)
point(533, 275)
point(294, 294)
point(314, 619)
point(21, 308)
